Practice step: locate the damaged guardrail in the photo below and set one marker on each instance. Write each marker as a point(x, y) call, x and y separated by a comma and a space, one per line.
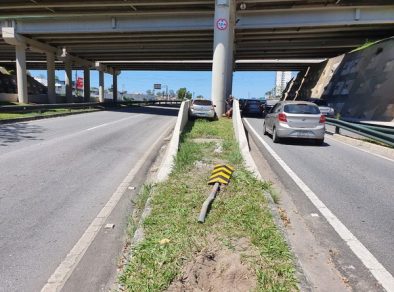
point(373, 132)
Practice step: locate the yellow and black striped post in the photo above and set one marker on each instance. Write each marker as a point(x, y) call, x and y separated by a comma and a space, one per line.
point(221, 174)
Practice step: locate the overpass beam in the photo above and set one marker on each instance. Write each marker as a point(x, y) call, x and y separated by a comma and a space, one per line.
point(101, 86)
point(51, 77)
point(223, 29)
point(86, 84)
point(68, 81)
point(21, 74)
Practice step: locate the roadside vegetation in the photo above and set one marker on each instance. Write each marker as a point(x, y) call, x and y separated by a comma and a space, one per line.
point(366, 45)
point(42, 113)
point(238, 246)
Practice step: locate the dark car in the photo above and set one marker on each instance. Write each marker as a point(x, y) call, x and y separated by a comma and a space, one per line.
point(252, 107)
point(269, 104)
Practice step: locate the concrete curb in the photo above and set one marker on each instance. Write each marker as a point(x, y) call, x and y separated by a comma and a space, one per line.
point(240, 135)
point(168, 160)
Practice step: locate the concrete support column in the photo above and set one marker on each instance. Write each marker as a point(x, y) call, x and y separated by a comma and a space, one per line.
point(21, 74)
point(68, 81)
point(86, 84)
point(115, 87)
point(51, 77)
point(230, 59)
point(230, 68)
point(220, 66)
point(101, 86)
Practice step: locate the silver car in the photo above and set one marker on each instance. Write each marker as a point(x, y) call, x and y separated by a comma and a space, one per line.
point(324, 108)
point(202, 108)
point(295, 119)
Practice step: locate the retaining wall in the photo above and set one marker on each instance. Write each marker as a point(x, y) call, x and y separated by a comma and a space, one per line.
point(359, 85)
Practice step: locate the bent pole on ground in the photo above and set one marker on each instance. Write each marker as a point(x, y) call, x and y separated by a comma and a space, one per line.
point(207, 203)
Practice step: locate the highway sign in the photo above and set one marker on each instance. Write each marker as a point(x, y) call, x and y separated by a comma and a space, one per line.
point(157, 86)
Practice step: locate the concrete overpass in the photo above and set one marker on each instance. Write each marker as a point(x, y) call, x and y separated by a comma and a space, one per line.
point(222, 35)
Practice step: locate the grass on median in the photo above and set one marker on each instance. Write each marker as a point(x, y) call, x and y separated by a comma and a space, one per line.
point(46, 113)
point(240, 211)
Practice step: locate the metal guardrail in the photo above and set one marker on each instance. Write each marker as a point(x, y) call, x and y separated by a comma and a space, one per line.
point(43, 107)
point(381, 134)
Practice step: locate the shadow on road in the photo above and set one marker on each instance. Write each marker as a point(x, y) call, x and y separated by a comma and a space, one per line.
point(16, 132)
point(163, 110)
point(302, 142)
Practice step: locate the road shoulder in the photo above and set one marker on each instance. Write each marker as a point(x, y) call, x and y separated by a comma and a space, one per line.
point(327, 262)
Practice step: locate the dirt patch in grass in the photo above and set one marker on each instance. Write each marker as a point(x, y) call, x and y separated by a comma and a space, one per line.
point(217, 268)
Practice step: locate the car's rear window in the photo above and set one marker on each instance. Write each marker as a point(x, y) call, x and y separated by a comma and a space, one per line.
point(202, 102)
point(301, 109)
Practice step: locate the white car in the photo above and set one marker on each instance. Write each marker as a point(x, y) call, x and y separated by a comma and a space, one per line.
point(202, 108)
point(295, 119)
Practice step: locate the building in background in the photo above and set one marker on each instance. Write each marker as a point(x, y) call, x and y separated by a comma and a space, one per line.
point(282, 77)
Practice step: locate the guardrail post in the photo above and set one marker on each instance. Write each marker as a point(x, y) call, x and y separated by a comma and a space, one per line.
point(337, 130)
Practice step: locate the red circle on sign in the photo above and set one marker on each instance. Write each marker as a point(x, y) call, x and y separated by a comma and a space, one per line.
point(222, 24)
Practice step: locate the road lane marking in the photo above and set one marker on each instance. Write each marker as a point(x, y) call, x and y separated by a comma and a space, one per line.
point(40, 144)
point(363, 150)
point(366, 257)
point(57, 280)
point(110, 123)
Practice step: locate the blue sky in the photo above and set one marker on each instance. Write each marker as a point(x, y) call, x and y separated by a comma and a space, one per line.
point(245, 84)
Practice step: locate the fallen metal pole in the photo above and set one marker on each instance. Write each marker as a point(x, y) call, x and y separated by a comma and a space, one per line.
point(207, 203)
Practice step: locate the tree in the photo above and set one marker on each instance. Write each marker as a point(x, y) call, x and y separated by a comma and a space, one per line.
point(200, 97)
point(183, 93)
point(149, 92)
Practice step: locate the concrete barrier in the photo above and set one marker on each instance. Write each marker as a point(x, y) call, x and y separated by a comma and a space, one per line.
point(168, 160)
point(240, 135)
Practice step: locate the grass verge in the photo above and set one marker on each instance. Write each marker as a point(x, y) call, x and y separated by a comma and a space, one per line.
point(172, 235)
point(46, 113)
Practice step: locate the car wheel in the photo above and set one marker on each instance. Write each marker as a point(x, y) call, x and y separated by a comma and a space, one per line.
point(319, 142)
point(275, 137)
point(264, 129)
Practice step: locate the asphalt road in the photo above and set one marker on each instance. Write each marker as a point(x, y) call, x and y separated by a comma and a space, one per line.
point(358, 187)
point(55, 177)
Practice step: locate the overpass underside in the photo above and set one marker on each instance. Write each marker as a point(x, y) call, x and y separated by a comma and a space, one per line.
point(222, 35)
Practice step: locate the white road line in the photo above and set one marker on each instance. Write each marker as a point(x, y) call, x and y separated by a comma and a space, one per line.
point(109, 123)
point(372, 264)
point(66, 267)
point(363, 150)
point(41, 144)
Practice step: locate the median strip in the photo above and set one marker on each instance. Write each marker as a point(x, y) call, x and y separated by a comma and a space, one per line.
point(238, 246)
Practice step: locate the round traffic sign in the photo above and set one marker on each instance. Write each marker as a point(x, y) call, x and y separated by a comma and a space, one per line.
point(222, 24)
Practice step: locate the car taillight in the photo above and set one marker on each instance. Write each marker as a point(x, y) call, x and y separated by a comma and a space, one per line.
point(282, 117)
point(322, 119)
